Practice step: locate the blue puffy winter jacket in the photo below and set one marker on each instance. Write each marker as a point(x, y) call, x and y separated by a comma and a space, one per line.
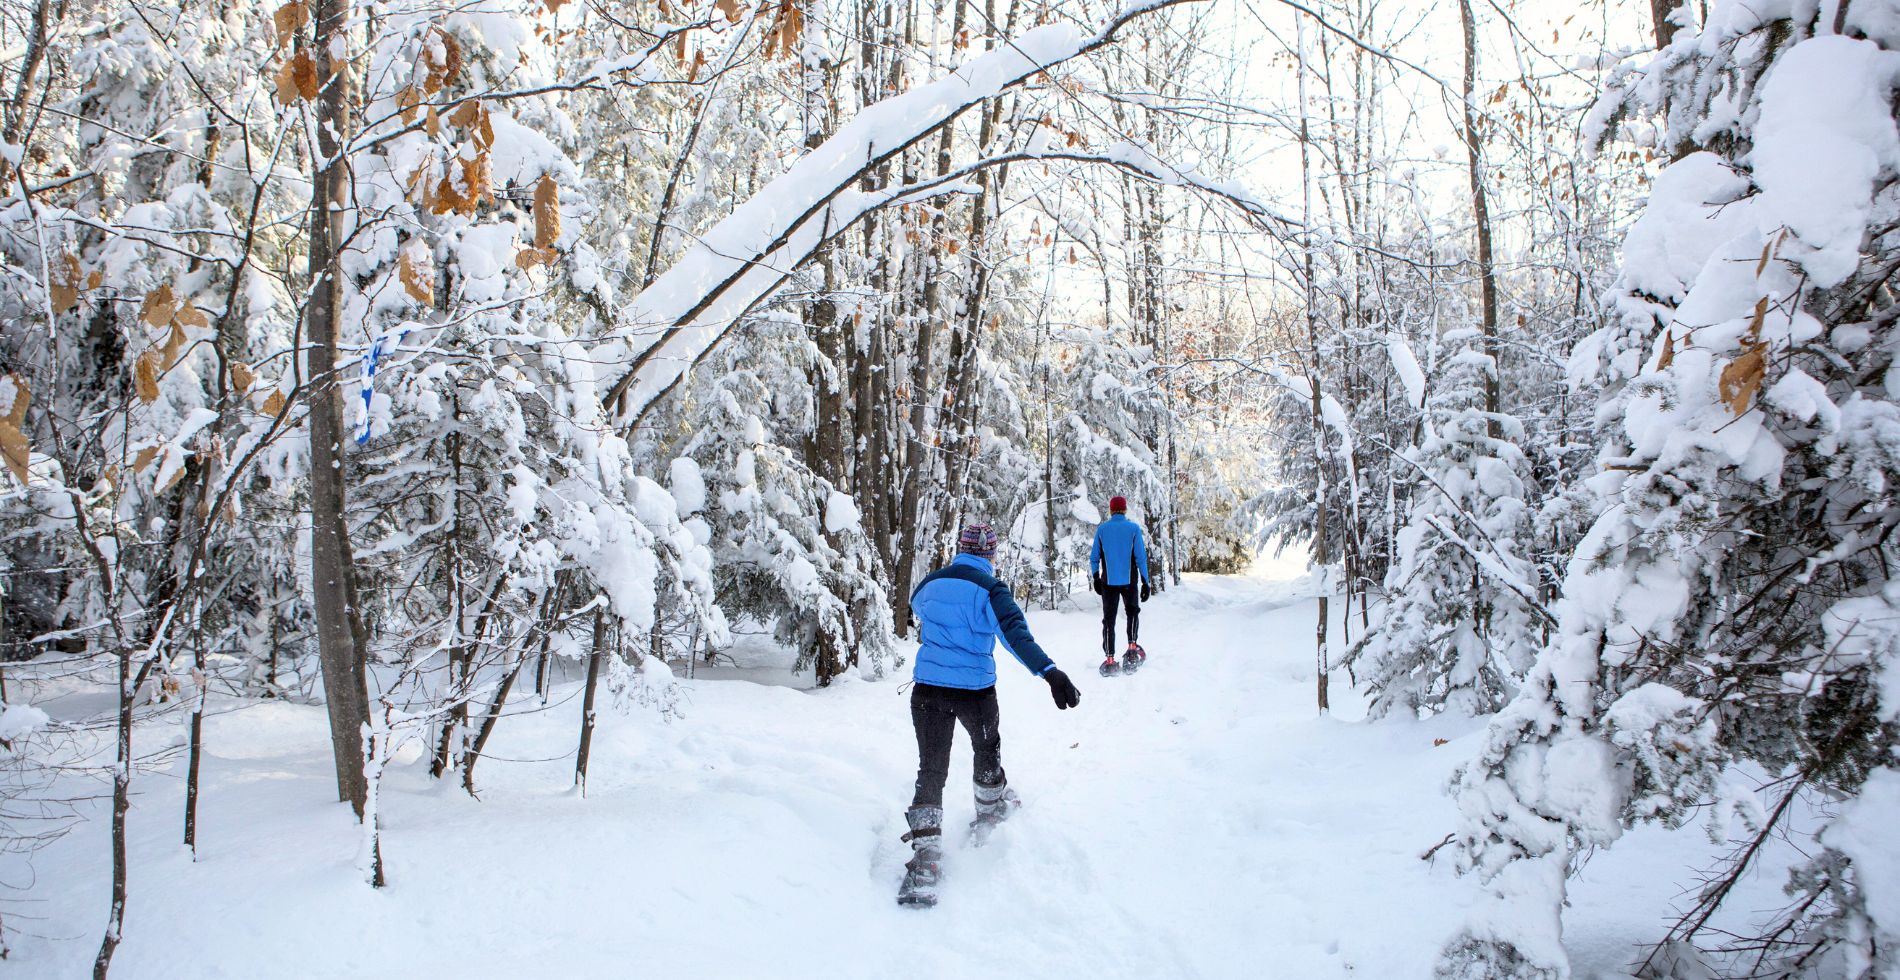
point(960, 609)
point(1119, 552)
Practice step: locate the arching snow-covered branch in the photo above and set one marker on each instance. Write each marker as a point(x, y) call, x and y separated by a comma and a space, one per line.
point(671, 324)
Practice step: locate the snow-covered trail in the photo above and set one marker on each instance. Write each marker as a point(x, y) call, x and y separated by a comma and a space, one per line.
point(1195, 820)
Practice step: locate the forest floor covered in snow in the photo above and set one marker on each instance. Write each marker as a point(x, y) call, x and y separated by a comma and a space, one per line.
point(1198, 819)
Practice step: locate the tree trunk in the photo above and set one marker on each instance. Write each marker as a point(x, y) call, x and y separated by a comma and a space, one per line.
point(121, 801)
point(1665, 30)
point(339, 649)
point(587, 698)
point(197, 742)
point(1321, 557)
point(1481, 214)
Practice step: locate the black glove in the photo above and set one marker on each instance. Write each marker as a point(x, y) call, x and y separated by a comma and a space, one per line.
point(1098, 585)
point(1146, 591)
point(1063, 689)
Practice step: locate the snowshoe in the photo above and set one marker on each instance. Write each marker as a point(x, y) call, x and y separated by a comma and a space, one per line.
point(925, 869)
point(994, 804)
point(1110, 667)
point(1133, 658)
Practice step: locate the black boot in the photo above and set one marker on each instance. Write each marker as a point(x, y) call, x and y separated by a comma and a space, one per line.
point(994, 804)
point(924, 870)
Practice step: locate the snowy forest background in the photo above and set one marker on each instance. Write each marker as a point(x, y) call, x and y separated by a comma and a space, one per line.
point(412, 358)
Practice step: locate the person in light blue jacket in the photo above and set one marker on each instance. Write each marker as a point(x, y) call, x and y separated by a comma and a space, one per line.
point(961, 610)
point(1117, 561)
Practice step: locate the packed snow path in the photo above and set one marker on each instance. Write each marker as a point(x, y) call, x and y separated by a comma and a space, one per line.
point(1195, 820)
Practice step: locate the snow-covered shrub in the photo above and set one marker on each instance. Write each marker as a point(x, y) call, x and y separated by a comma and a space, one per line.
point(788, 549)
point(1730, 603)
point(1458, 625)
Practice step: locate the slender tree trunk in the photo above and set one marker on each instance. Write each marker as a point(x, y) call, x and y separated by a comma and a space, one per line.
point(1050, 570)
point(121, 802)
point(196, 751)
point(338, 647)
point(550, 608)
point(1481, 214)
point(587, 698)
point(1321, 557)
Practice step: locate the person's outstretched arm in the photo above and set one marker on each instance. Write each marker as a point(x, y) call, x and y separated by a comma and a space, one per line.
point(1014, 626)
point(1141, 554)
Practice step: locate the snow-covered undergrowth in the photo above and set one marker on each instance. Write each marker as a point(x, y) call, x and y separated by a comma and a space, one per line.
point(1195, 820)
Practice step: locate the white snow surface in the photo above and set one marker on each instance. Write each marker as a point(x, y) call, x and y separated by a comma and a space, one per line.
point(1198, 819)
point(1826, 133)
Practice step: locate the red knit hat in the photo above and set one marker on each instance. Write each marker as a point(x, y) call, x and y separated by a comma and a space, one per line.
point(1118, 505)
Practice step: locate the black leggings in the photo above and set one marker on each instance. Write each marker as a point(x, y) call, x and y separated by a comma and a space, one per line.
point(935, 712)
point(1129, 597)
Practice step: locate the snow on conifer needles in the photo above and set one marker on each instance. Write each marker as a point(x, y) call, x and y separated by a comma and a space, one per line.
point(1727, 606)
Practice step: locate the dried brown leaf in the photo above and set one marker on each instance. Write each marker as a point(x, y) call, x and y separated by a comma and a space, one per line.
point(418, 278)
point(465, 113)
point(475, 177)
point(289, 19)
point(159, 307)
point(1669, 349)
point(274, 405)
point(406, 101)
point(547, 213)
point(145, 377)
point(65, 284)
point(178, 473)
point(174, 345)
point(306, 74)
point(1742, 377)
point(144, 458)
point(13, 444)
point(441, 60)
point(728, 9)
point(242, 377)
point(190, 316)
point(94, 279)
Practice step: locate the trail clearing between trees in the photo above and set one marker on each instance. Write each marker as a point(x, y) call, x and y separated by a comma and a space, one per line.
point(1198, 819)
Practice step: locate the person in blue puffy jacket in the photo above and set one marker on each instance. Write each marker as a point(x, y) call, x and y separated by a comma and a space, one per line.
point(1117, 562)
point(961, 610)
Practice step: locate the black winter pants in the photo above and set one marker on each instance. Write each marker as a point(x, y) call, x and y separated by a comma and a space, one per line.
point(1129, 596)
point(935, 712)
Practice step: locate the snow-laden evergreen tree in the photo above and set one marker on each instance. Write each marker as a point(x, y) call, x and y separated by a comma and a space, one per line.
point(789, 550)
point(1458, 625)
point(1733, 604)
point(1098, 402)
